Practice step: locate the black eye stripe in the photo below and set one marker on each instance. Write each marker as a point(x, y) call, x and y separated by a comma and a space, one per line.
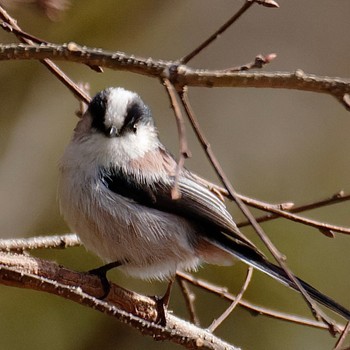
point(134, 113)
point(97, 109)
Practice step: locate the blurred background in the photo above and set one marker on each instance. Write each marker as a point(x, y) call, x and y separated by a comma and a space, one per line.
point(275, 145)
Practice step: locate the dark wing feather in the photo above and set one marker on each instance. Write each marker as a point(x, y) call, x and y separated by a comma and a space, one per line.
point(197, 203)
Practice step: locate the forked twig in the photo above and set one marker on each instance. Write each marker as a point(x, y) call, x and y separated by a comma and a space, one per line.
point(189, 299)
point(216, 323)
point(288, 214)
point(53, 68)
point(254, 309)
point(317, 312)
point(286, 210)
point(184, 151)
point(225, 26)
point(342, 337)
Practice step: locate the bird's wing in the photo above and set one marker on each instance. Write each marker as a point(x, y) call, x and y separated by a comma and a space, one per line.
point(200, 205)
point(196, 203)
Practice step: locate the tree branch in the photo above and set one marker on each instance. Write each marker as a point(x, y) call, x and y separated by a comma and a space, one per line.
point(10, 24)
point(139, 311)
point(134, 309)
point(245, 7)
point(277, 255)
point(180, 75)
point(72, 240)
point(287, 210)
point(216, 323)
point(252, 308)
point(40, 242)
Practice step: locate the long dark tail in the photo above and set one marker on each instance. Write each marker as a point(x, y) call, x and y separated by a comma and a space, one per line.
point(253, 258)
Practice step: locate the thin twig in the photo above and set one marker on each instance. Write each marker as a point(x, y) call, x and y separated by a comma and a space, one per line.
point(334, 199)
point(254, 309)
point(287, 210)
point(19, 32)
point(225, 26)
point(216, 323)
point(189, 300)
point(317, 312)
point(259, 62)
point(215, 35)
point(34, 39)
point(342, 337)
point(54, 69)
point(267, 3)
point(184, 151)
point(40, 242)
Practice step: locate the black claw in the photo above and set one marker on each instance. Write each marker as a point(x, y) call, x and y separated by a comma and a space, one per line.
point(161, 308)
point(101, 273)
point(162, 305)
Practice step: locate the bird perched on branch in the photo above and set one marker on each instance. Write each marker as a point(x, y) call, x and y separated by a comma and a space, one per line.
point(116, 181)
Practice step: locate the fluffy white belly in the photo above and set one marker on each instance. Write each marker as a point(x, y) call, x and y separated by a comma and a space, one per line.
point(149, 243)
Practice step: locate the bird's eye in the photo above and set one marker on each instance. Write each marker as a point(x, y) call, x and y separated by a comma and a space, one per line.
point(134, 128)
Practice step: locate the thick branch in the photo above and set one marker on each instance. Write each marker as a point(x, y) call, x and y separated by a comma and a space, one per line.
point(180, 74)
point(71, 240)
point(134, 309)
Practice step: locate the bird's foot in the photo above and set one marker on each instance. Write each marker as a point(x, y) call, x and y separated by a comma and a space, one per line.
point(101, 273)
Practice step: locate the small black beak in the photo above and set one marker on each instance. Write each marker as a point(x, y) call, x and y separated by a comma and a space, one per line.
point(113, 131)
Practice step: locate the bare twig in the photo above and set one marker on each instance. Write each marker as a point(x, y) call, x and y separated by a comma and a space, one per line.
point(334, 199)
point(225, 26)
point(342, 337)
point(216, 323)
point(183, 75)
point(259, 62)
point(136, 310)
point(215, 35)
point(29, 39)
point(43, 242)
point(317, 312)
point(325, 228)
point(254, 309)
point(267, 3)
point(184, 151)
point(20, 33)
point(286, 210)
point(55, 70)
point(189, 299)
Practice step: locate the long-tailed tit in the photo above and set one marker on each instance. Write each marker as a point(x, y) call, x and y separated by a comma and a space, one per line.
point(116, 179)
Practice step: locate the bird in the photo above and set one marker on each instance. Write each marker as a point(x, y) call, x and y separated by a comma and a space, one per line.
point(115, 191)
